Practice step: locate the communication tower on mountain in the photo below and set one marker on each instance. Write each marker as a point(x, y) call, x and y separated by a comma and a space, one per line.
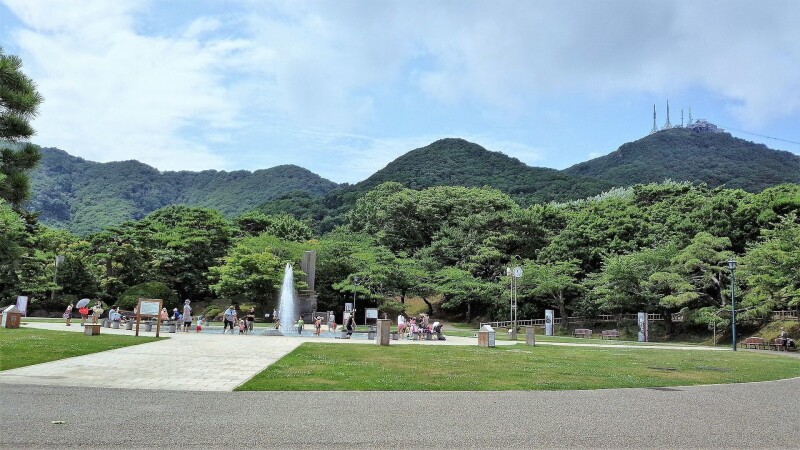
point(654, 121)
point(667, 125)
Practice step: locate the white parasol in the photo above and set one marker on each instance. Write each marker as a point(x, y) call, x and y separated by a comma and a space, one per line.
point(82, 302)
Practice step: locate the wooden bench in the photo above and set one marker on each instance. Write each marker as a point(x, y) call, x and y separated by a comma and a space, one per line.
point(608, 334)
point(582, 332)
point(777, 344)
point(755, 342)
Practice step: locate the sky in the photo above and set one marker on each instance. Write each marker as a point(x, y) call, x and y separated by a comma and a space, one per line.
point(342, 88)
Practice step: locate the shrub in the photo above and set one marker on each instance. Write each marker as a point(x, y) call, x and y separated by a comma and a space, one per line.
point(211, 312)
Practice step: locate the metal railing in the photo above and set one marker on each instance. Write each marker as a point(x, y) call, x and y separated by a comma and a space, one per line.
point(652, 317)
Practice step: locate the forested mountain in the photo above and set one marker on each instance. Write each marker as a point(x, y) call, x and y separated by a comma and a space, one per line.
point(84, 196)
point(456, 162)
point(680, 154)
point(446, 162)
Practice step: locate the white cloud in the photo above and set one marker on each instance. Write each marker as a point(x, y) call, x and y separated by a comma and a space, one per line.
point(317, 76)
point(111, 93)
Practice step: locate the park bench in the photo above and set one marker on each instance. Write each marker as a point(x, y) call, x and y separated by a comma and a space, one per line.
point(777, 344)
point(608, 334)
point(582, 332)
point(755, 342)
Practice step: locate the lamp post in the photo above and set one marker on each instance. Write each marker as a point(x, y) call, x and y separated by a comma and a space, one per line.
point(732, 267)
point(59, 260)
point(514, 274)
point(355, 283)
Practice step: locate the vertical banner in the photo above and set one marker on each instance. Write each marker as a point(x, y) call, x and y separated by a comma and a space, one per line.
point(22, 305)
point(548, 322)
point(642, 327)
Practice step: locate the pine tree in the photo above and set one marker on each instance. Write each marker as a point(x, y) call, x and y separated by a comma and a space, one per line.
point(19, 101)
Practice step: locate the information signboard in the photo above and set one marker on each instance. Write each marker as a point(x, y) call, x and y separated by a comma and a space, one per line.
point(149, 307)
point(372, 313)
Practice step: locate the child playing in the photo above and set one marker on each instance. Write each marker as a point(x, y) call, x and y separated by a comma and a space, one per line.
point(199, 323)
point(242, 327)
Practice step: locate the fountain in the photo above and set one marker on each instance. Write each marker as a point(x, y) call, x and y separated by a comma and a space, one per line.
point(287, 309)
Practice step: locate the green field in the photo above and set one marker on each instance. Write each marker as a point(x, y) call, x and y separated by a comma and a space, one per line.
point(326, 367)
point(26, 346)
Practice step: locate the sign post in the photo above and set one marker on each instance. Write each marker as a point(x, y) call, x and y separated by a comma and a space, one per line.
point(642, 319)
point(548, 322)
point(149, 308)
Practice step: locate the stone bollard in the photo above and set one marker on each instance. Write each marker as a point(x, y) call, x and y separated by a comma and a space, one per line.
point(384, 326)
point(530, 336)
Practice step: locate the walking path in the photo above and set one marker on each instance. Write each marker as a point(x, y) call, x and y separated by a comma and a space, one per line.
point(200, 361)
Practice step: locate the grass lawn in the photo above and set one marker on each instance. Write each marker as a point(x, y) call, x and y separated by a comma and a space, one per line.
point(26, 346)
point(325, 367)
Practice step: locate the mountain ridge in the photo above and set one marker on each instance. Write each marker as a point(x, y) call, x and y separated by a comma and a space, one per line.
point(85, 196)
point(716, 159)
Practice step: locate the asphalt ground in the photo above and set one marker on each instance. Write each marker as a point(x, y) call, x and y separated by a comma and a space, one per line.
point(751, 415)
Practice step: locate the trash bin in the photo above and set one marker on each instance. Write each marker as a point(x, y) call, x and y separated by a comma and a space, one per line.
point(172, 327)
point(129, 325)
point(11, 317)
point(115, 324)
point(486, 336)
point(371, 332)
point(148, 326)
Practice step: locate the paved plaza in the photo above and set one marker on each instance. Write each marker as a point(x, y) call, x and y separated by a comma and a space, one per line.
point(167, 394)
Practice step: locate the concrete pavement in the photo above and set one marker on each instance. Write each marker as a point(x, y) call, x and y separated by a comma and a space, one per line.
point(754, 415)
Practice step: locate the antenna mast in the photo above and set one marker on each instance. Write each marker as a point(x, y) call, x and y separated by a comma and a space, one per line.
point(667, 125)
point(654, 121)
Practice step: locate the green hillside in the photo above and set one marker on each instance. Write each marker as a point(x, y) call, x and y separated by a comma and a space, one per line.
point(446, 162)
point(717, 159)
point(84, 196)
point(456, 162)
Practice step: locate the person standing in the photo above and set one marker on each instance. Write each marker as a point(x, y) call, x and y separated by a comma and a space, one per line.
point(97, 311)
point(331, 322)
point(187, 316)
point(784, 338)
point(229, 319)
point(274, 315)
point(401, 325)
point(351, 324)
point(318, 325)
point(250, 318)
point(68, 313)
point(300, 324)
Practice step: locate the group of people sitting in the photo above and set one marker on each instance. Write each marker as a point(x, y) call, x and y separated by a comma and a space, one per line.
point(419, 327)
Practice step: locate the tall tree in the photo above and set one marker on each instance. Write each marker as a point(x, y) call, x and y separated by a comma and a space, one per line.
point(771, 267)
point(19, 101)
point(556, 283)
